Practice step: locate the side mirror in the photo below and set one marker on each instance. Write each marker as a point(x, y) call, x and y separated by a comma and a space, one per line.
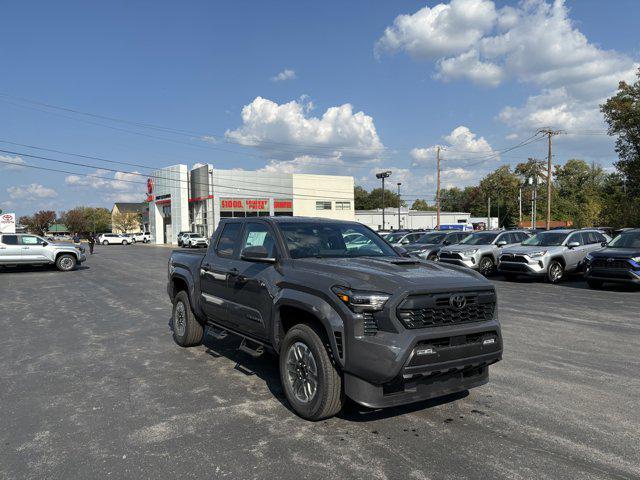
point(401, 251)
point(604, 244)
point(44, 244)
point(501, 243)
point(405, 241)
point(256, 253)
point(573, 244)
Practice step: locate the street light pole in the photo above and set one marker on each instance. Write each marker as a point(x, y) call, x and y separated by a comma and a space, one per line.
point(399, 202)
point(382, 176)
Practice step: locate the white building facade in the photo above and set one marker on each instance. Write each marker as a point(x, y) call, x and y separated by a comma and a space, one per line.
point(412, 219)
point(183, 200)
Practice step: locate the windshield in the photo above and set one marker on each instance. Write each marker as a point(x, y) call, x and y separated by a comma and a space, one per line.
point(626, 240)
point(483, 238)
point(546, 239)
point(333, 240)
point(432, 238)
point(394, 237)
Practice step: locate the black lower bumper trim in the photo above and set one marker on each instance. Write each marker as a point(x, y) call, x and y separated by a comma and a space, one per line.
point(404, 391)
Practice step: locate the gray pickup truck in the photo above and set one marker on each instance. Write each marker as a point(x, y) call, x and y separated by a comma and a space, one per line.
point(480, 250)
point(346, 320)
point(551, 254)
point(25, 249)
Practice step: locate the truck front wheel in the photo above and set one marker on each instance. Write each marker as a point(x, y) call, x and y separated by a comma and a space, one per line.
point(66, 262)
point(311, 382)
point(187, 331)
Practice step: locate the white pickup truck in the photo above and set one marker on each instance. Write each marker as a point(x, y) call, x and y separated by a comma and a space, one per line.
point(25, 249)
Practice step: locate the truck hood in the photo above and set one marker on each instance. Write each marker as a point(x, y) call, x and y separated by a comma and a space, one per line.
point(526, 249)
point(616, 253)
point(391, 274)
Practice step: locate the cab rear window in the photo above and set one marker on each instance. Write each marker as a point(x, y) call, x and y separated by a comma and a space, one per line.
point(10, 239)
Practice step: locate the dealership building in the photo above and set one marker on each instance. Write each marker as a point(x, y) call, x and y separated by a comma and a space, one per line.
point(195, 200)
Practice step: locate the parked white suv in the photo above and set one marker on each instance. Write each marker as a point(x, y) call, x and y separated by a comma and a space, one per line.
point(23, 249)
point(113, 239)
point(193, 240)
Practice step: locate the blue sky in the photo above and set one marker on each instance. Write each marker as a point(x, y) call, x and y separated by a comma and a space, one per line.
point(474, 76)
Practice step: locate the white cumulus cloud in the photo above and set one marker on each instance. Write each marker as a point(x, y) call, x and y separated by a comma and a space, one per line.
point(11, 163)
point(286, 74)
point(293, 140)
point(535, 43)
point(33, 190)
point(114, 187)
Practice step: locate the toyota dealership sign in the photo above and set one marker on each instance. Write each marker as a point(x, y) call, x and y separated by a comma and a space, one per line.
point(8, 223)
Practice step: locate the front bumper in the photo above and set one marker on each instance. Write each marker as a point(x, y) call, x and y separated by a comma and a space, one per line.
point(614, 275)
point(469, 262)
point(390, 369)
point(532, 268)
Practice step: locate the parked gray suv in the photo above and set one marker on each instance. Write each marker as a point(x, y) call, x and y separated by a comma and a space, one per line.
point(551, 254)
point(480, 250)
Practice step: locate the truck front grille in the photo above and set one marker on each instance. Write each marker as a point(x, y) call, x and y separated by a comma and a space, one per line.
point(452, 255)
point(438, 310)
point(510, 257)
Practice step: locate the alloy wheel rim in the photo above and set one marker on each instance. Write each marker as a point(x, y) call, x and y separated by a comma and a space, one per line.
point(486, 266)
point(66, 263)
point(555, 272)
point(302, 372)
point(180, 320)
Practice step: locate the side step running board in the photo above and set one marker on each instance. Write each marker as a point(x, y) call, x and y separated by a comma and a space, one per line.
point(251, 348)
point(217, 333)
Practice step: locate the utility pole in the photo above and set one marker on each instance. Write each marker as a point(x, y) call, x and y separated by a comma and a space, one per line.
point(382, 176)
point(488, 213)
point(549, 133)
point(520, 205)
point(438, 188)
point(399, 203)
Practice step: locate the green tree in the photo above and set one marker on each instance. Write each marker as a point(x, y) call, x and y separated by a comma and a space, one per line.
point(371, 200)
point(39, 222)
point(577, 193)
point(422, 205)
point(361, 198)
point(75, 220)
point(98, 219)
point(622, 113)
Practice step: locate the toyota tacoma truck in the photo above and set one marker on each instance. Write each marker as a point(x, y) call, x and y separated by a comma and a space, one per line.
point(551, 254)
point(25, 249)
point(479, 251)
point(358, 321)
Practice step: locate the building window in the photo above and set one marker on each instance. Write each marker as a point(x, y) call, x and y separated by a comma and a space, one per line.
point(343, 205)
point(323, 205)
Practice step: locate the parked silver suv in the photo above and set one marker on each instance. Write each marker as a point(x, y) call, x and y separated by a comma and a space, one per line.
point(23, 249)
point(480, 250)
point(551, 254)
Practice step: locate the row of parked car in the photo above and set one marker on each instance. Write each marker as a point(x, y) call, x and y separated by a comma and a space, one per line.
point(192, 240)
point(123, 238)
point(551, 254)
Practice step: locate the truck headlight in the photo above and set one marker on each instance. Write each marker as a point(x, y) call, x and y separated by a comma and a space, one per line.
point(541, 253)
point(468, 253)
point(636, 259)
point(359, 301)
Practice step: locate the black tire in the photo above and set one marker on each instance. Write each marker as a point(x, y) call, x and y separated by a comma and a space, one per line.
point(66, 262)
point(595, 284)
point(105, 242)
point(486, 266)
point(328, 398)
point(187, 331)
point(124, 242)
point(133, 241)
point(433, 257)
point(555, 271)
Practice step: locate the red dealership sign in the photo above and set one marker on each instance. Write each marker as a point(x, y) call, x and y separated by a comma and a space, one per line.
point(149, 186)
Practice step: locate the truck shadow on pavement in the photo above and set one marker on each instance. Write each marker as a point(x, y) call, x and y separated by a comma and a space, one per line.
point(39, 269)
point(266, 368)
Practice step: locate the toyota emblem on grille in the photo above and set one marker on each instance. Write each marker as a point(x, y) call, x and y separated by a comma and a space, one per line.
point(458, 301)
point(609, 259)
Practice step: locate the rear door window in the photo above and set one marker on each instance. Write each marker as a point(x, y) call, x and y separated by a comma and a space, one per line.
point(10, 239)
point(229, 239)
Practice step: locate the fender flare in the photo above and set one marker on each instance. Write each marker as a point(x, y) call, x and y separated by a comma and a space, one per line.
point(329, 319)
point(184, 274)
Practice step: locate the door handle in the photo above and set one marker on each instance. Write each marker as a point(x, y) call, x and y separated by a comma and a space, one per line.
point(235, 273)
point(206, 267)
point(25, 248)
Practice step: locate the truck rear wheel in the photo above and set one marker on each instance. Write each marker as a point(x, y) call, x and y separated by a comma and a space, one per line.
point(66, 262)
point(311, 382)
point(187, 331)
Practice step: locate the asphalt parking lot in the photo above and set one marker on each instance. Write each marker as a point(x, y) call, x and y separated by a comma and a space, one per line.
point(92, 385)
